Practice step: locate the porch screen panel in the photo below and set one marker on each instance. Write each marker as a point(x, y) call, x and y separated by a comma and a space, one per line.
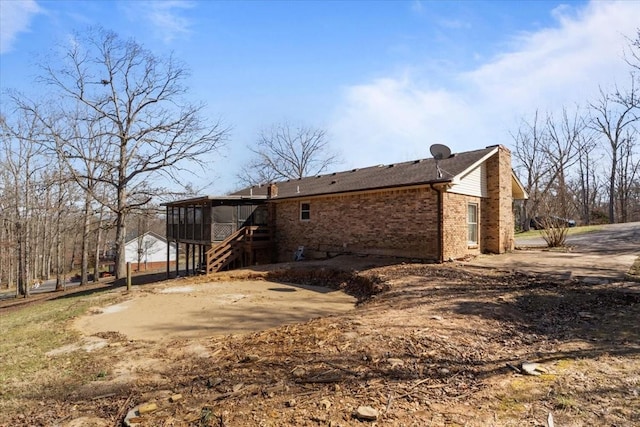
point(175, 223)
point(197, 221)
point(245, 213)
point(172, 222)
point(190, 221)
point(223, 224)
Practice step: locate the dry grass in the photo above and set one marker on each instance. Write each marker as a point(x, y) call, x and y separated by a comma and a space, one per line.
point(27, 336)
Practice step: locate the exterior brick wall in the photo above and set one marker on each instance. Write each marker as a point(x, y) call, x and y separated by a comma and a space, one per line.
point(400, 222)
point(396, 222)
point(497, 221)
point(455, 228)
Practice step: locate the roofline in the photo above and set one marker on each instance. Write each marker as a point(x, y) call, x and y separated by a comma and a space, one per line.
point(362, 190)
point(202, 199)
point(524, 191)
point(151, 233)
point(456, 178)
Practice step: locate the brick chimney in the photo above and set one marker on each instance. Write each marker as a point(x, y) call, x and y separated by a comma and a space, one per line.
point(272, 191)
point(497, 217)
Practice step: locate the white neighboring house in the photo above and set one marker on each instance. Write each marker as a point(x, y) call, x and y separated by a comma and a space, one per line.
point(150, 250)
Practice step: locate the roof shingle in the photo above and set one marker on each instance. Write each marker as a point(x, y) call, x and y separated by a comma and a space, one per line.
point(414, 172)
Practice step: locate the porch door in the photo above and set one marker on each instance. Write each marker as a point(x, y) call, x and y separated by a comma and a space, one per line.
point(244, 215)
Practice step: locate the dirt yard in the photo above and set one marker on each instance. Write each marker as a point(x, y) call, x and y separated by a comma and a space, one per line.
point(390, 344)
point(209, 309)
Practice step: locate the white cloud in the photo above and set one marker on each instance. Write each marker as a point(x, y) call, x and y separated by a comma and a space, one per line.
point(563, 64)
point(396, 118)
point(15, 17)
point(391, 120)
point(166, 17)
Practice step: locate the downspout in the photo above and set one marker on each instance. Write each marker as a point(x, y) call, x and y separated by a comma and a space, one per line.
point(439, 241)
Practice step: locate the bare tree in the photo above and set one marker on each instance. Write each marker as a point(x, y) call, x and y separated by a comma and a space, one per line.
point(632, 57)
point(565, 134)
point(587, 182)
point(131, 103)
point(545, 153)
point(628, 174)
point(530, 140)
point(613, 116)
point(23, 162)
point(285, 151)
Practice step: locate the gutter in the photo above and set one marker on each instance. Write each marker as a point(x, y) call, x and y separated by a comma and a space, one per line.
point(440, 240)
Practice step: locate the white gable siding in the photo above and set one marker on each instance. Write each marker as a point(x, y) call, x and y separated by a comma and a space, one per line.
point(153, 250)
point(472, 184)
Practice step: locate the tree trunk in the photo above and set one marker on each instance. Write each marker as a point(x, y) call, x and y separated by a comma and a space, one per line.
point(23, 285)
point(84, 261)
point(59, 256)
point(612, 186)
point(121, 229)
point(120, 261)
point(96, 265)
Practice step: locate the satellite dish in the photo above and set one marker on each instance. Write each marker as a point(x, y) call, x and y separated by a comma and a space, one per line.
point(440, 151)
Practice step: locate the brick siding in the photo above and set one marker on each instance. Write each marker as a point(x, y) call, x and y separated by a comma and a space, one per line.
point(455, 227)
point(398, 222)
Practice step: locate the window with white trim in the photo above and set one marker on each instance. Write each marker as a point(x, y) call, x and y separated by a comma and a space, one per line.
point(305, 211)
point(472, 223)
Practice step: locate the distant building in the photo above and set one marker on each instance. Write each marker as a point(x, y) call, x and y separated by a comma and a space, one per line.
point(149, 251)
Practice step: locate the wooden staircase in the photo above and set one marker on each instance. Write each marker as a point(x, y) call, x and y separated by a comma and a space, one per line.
point(237, 250)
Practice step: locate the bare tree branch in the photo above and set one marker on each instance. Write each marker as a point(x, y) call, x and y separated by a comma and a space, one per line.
point(287, 152)
point(126, 121)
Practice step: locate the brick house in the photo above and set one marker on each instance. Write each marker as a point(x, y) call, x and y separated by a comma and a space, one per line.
point(459, 206)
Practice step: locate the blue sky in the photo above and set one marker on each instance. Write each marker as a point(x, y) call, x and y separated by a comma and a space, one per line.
point(386, 79)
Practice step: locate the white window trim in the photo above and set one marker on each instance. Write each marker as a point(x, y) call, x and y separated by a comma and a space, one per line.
point(472, 243)
point(308, 211)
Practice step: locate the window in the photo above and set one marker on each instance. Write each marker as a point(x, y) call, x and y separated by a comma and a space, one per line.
point(305, 211)
point(472, 223)
point(261, 216)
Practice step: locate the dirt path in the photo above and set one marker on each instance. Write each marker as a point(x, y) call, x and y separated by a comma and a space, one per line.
point(217, 308)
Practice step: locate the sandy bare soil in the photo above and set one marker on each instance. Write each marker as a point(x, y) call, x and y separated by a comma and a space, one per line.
point(424, 345)
point(215, 308)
